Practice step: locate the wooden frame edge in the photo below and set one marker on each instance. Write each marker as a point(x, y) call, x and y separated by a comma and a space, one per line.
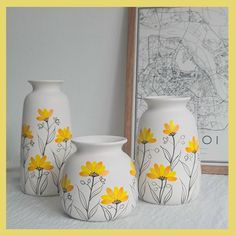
point(210, 169)
point(129, 79)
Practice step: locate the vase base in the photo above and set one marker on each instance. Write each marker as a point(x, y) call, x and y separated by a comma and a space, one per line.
point(170, 204)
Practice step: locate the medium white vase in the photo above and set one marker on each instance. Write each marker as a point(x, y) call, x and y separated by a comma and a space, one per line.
point(98, 181)
point(45, 139)
point(167, 155)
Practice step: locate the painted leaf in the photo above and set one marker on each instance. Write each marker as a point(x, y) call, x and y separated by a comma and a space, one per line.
point(54, 177)
point(175, 161)
point(82, 198)
point(123, 211)
point(106, 213)
point(32, 184)
point(193, 178)
point(52, 135)
point(186, 168)
point(68, 152)
point(154, 195)
point(142, 189)
point(168, 195)
point(184, 193)
point(93, 210)
point(41, 144)
point(69, 209)
point(80, 213)
point(44, 185)
point(57, 160)
point(166, 154)
point(96, 191)
point(146, 165)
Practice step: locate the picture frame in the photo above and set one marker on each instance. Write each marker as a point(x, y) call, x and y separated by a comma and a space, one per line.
point(207, 168)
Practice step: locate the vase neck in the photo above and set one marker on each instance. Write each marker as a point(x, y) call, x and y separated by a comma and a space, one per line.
point(46, 85)
point(99, 143)
point(166, 101)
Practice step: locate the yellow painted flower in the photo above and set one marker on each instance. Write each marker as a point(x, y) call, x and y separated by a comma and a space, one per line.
point(133, 169)
point(26, 132)
point(93, 169)
point(44, 114)
point(115, 196)
point(193, 146)
point(171, 128)
point(63, 135)
point(162, 173)
point(145, 136)
point(66, 184)
point(39, 163)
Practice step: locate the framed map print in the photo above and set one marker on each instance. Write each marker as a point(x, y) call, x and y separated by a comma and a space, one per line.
point(182, 52)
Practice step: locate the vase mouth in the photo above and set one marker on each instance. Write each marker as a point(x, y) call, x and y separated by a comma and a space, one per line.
point(46, 85)
point(167, 98)
point(46, 81)
point(100, 140)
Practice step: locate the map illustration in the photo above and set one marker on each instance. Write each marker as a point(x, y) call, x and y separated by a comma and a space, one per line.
point(184, 52)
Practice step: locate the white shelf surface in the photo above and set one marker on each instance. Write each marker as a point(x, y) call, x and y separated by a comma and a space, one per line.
point(209, 210)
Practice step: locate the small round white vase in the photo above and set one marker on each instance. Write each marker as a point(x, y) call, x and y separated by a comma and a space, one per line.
point(167, 155)
point(45, 138)
point(98, 181)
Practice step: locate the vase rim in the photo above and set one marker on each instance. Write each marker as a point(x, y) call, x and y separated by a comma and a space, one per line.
point(167, 98)
point(46, 81)
point(100, 140)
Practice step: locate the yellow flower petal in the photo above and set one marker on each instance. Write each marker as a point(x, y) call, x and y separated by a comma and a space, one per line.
point(26, 132)
point(66, 184)
point(44, 114)
point(115, 196)
point(170, 128)
point(133, 169)
point(39, 163)
point(146, 136)
point(193, 146)
point(63, 135)
point(161, 172)
point(93, 169)
point(152, 176)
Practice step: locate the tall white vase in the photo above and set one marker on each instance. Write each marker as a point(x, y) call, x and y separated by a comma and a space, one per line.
point(45, 139)
point(168, 152)
point(98, 181)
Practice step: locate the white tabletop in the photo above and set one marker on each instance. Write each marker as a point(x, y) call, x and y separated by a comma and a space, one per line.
point(208, 211)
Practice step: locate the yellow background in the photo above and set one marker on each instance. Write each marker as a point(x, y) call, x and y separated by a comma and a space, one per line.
point(231, 4)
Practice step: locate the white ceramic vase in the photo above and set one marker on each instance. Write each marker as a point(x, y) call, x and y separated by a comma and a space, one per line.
point(98, 181)
point(45, 138)
point(167, 155)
